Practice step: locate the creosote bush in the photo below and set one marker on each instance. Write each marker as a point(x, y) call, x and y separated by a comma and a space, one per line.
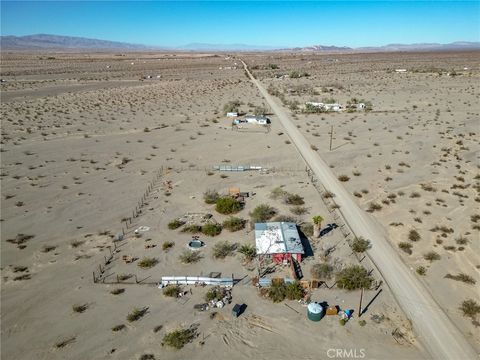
point(223, 249)
point(211, 196)
point(234, 224)
point(354, 277)
point(175, 224)
point(431, 256)
point(189, 256)
point(136, 314)
point(211, 229)
point(147, 262)
point(413, 235)
point(421, 270)
point(262, 213)
point(167, 245)
point(171, 290)
point(179, 338)
point(470, 308)
point(360, 245)
point(227, 205)
point(322, 271)
point(406, 247)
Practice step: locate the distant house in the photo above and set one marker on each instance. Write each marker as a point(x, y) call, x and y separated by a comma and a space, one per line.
point(400, 70)
point(325, 107)
point(333, 107)
point(257, 119)
point(279, 241)
point(232, 114)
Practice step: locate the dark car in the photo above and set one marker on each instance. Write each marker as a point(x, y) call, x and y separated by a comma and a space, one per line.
point(328, 228)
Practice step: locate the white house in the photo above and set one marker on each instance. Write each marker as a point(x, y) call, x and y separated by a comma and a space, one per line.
point(257, 119)
point(333, 107)
point(232, 114)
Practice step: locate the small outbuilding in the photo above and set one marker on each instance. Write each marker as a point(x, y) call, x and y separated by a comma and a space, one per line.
point(279, 241)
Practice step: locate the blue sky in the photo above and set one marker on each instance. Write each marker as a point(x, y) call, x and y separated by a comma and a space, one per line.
point(273, 23)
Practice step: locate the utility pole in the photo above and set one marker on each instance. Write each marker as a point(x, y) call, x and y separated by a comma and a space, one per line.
point(331, 136)
point(360, 305)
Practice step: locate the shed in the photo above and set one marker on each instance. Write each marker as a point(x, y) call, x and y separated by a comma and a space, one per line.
point(278, 240)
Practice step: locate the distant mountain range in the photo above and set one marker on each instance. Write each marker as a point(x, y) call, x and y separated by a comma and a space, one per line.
point(48, 42)
point(59, 42)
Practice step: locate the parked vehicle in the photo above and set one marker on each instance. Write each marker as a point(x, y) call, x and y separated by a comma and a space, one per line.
point(327, 229)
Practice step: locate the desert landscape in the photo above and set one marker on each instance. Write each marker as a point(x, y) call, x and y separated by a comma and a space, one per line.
point(112, 163)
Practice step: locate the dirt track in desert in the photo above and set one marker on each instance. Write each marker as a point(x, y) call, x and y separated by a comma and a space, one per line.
point(436, 331)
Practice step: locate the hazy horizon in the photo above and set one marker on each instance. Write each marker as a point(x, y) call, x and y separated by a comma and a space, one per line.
point(281, 24)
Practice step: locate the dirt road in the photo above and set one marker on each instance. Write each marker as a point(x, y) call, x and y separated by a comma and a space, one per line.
point(433, 328)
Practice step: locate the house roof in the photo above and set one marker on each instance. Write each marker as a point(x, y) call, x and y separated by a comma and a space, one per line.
point(277, 238)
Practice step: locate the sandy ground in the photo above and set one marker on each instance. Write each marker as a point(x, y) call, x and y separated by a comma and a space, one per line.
point(438, 333)
point(83, 135)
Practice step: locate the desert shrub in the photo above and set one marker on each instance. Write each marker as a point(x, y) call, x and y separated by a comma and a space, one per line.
point(299, 210)
point(360, 245)
point(179, 338)
point(461, 240)
point(79, 308)
point(248, 251)
point(231, 106)
point(294, 291)
point(461, 277)
point(293, 199)
point(136, 314)
point(234, 224)
point(211, 229)
point(354, 277)
point(322, 271)
point(373, 206)
point(470, 308)
point(223, 249)
point(117, 291)
point(76, 243)
point(277, 292)
point(215, 293)
point(147, 263)
point(167, 245)
point(211, 196)
point(189, 256)
point(171, 290)
point(123, 277)
point(413, 235)
point(262, 213)
point(431, 256)
point(147, 357)
point(277, 193)
point(227, 205)
point(175, 224)
point(406, 247)
point(118, 327)
point(260, 110)
point(343, 178)
point(421, 270)
point(192, 228)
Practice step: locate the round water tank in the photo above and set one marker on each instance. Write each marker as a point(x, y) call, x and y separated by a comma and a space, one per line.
point(314, 311)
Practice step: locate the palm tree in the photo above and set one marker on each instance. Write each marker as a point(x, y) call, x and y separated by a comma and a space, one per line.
point(317, 224)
